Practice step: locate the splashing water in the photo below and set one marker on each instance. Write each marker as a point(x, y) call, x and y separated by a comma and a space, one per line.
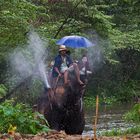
point(43, 74)
point(29, 61)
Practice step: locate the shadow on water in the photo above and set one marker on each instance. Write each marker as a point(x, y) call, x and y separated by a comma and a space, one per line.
point(109, 118)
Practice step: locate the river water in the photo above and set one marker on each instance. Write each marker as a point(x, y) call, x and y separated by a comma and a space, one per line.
point(109, 118)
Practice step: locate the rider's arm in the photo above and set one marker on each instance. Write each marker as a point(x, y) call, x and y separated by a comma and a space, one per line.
point(56, 69)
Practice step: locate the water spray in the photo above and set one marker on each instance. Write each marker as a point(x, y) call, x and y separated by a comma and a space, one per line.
point(29, 61)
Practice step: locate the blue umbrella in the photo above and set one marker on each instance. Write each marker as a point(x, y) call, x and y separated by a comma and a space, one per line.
point(75, 41)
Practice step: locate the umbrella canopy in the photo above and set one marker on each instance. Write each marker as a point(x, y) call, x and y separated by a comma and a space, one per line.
point(75, 41)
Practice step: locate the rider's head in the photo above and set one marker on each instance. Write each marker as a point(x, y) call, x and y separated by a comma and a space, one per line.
point(62, 49)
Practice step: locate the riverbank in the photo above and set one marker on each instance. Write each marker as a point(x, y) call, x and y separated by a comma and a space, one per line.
point(55, 135)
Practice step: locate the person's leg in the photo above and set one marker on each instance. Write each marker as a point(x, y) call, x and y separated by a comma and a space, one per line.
point(66, 77)
point(64, 71)
point(77, 73)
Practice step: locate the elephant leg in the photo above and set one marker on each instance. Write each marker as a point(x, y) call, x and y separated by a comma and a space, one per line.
point(55, 118)
point(75, 122)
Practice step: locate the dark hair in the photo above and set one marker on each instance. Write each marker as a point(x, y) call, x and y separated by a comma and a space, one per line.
point(68, 52)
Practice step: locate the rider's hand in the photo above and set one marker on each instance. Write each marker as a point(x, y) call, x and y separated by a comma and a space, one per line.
point(59, 74)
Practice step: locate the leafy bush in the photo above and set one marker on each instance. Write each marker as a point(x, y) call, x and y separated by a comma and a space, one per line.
point(89, 101)
point(2, 90)
point(126, 91)
point(134, 114)
point(21, 116)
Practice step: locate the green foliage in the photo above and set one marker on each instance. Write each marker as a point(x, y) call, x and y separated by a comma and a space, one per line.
point(21, 116)
point(3, 90)
point(89, 101)
point(134, 130)
point(133, 115)
point(108, 100)
point(118, 77)
point(119, 132)
point(17, 18)
point(127, 91)
point(111, 91)
point(14, 21)
point(114, 132)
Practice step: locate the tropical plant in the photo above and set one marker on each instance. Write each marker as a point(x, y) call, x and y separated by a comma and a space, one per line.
point(22, 117)
point(2, 90)
point(133, 115)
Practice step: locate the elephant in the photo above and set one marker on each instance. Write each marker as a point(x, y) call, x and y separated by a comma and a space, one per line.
point(62, 106)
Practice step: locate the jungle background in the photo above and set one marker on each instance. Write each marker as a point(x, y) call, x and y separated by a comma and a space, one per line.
point(114, 27)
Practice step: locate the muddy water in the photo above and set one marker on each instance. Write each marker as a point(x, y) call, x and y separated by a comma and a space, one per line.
point(110, 117)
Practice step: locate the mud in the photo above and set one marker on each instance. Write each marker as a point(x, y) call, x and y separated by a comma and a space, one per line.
point(54, 135)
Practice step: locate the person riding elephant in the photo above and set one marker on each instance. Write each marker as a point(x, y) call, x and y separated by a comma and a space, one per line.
point(63, 64)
